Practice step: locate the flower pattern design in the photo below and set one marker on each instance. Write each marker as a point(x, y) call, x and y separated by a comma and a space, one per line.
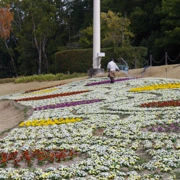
point(128, 130)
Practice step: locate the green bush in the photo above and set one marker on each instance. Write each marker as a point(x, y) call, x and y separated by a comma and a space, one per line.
point(132, 54)
point(7, 80)
point(47, 77)
point(73, 61)
point(80, 60)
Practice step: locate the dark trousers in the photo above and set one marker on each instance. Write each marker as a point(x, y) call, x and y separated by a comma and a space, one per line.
point(111, 76)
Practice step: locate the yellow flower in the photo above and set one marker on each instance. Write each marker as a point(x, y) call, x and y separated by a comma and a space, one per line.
point(47, 122)
point(45, 91)
point(155, 87)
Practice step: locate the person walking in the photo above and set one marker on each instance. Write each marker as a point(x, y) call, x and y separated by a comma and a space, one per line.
point(112, 68)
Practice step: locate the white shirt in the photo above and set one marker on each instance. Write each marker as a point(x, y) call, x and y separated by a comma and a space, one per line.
point(112, 66)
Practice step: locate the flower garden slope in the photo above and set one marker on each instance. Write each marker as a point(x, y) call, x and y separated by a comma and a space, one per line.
point(127, 148)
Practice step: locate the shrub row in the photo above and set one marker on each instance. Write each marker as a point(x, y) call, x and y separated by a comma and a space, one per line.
point(80, 60)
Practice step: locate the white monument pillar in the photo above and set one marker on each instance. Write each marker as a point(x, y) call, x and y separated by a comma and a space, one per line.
point(97, 54)
point(96, 33)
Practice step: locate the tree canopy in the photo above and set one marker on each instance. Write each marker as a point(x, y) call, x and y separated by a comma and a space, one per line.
point(6, 18)
point(43, 27)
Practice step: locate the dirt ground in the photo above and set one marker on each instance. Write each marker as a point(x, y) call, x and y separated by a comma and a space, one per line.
point(11, 113)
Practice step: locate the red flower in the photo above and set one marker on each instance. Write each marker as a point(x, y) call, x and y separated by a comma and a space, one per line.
point(51, 96)
point(161, 104)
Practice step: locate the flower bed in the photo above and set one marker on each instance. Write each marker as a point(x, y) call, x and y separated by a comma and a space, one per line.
point(108, 81)
point(67, 104)
point(50, 96)
point(38, 89)
point(173, 127)
point(46, 122)
point(41, 156)
point(128, 130)
point(161, 104)
point(156, 86)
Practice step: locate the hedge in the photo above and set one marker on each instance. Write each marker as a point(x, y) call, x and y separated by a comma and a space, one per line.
point(80, 60)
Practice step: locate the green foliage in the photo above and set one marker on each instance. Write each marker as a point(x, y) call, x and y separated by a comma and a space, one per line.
point(41, 77)
point(139, 17)
point(86, 39)
point(167, 34)
point(116, 29)
point(145, 21)
point(129, 54)
point(41, 28)
point(46, 77)
point(81, 60)
point(109, 53)
point(155, 25)
point(78, 15)
point(170, 26)
point(7, 80)
point(74, 61)
point(123, 6)
point(134, 56)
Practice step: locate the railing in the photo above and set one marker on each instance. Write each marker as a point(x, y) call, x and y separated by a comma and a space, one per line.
point(165, 58)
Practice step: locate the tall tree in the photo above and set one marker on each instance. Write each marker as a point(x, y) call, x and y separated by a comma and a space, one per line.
point(170, 27)
point(115, 29)
point(79, 17)
point(37, 23)
point(6, 18)
point(86, 39)
point(41, 16)
point(145, 20)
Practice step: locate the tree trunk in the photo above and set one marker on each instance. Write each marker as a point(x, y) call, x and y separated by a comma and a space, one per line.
point(39, 48)
point(12, 60)
point(39, 61)
point(44, 54)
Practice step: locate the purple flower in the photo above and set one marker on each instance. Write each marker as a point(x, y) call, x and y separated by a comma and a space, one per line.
point(108, 81)
point(67, 104)
point(160, 129)
point(153, 129)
